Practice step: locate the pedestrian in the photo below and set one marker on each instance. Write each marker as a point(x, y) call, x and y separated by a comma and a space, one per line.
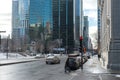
point(99, 56)
point(67, 68)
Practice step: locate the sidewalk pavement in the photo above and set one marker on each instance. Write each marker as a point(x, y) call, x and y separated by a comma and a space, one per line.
point(93, 65)
point(92, 70)
point(17, 60)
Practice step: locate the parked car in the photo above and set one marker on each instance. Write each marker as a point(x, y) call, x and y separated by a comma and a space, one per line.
point(73, 62)
point(51, 58)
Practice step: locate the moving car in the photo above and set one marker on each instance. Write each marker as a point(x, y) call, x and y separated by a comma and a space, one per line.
point(73, 62)
point(51, 58)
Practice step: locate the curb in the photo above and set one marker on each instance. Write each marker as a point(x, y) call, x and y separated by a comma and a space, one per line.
point(10, 63)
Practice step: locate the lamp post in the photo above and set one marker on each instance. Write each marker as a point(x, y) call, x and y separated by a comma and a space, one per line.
point(0, 37)
point(7, 46)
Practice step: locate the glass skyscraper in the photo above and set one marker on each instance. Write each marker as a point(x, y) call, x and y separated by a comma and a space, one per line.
point(66, 22)
point(40, 11)
point(24, 17)
point(40, 18)
point(15, 19)
point(31, 15)
point(61, 18)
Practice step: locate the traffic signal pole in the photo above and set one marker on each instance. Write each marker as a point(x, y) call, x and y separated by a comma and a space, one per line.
point(81, 51)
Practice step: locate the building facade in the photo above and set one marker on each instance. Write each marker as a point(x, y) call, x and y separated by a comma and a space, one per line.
point(15, 25)
point(67, 22)
point(109, 35)
point(30, 17)
point(15, 19)
point(32, 21)
point(24, 16)
point(86, 32)
point(99, 2)
point(40, 18)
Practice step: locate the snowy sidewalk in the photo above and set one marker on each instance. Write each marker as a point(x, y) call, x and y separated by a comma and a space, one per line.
point(93, 66)
point(19, 60)
point(14, 58)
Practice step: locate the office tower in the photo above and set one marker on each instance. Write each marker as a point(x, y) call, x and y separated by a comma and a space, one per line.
point(99, 22)
point(67, 22)
point(40, 19)
point(15, 25)
point(86, 32)
point(34, 16)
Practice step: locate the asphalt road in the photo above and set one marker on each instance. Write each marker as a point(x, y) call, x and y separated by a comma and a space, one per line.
point(39, 70)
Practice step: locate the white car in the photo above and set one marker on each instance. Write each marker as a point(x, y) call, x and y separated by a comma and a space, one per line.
point(40, 56)
point(51, 58)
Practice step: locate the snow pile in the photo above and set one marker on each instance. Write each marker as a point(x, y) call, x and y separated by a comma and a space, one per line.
point(10, 55)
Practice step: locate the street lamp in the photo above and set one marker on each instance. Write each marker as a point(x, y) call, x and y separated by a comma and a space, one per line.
point(0, 37)
point(7, 46)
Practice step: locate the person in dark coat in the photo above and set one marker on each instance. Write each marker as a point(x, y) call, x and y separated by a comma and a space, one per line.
point(67, 68)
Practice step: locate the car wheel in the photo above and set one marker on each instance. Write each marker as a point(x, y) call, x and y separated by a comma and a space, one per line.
point(59, 62)
point(46, 62)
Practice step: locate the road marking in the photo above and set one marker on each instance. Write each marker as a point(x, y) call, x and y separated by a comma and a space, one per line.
point(71, 77)
point(73, 74)
point(118, 76)
point(100, 77)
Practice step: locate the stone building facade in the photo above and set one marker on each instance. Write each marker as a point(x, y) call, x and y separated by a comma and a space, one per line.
point(109, 33)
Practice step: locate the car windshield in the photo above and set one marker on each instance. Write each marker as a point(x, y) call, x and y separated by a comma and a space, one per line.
point(72, 59)
point(50, 55)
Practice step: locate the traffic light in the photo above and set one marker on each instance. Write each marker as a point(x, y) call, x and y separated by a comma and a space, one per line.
point(80, 49)
point(84, 49)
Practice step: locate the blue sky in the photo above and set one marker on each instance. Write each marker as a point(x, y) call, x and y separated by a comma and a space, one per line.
point(90, 10)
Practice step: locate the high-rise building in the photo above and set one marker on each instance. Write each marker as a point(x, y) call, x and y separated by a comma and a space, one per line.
point(86, 32)
point(15, 19)
point(30, 17)
point(20, 22)
point(32, 21)
point(67, 22)
point(16, 36)
point(24, 20)
point(40, 18)
point(110, 35)
point(99, 22)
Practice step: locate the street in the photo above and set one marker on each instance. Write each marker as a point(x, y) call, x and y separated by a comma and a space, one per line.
point(39, 70)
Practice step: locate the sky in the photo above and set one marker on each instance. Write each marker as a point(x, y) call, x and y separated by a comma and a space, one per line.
point(5, 16)
point(90, 10)
point(89, 7)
